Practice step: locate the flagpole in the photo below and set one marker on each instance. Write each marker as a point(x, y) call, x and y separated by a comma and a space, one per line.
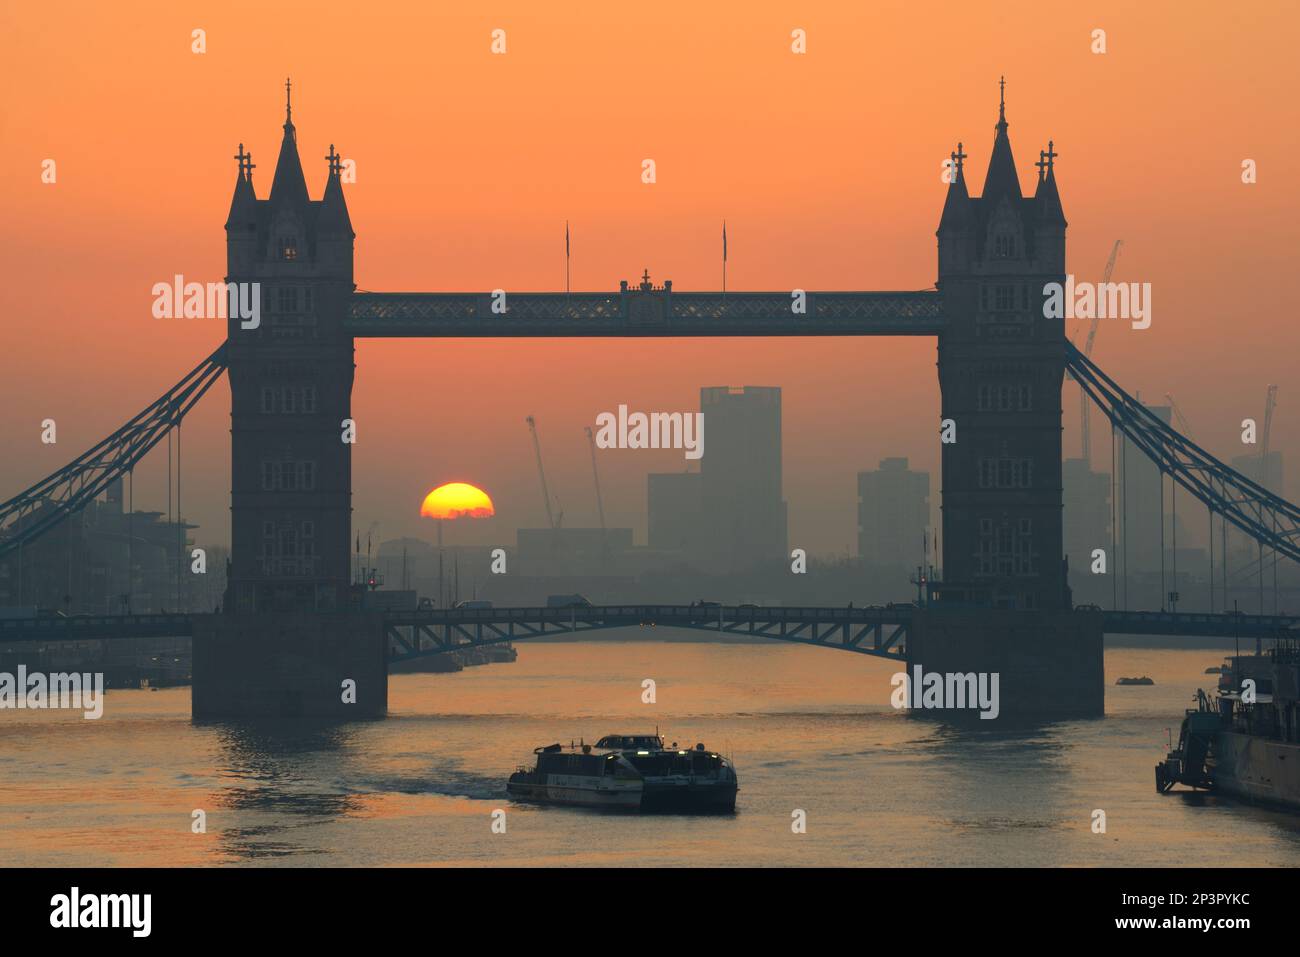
point(566, 257)
point(724, 257)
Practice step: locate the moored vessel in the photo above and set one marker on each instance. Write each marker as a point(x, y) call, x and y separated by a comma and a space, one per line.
point(1246, 742)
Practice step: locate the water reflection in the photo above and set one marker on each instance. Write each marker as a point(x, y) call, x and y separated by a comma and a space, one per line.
point(282, 776)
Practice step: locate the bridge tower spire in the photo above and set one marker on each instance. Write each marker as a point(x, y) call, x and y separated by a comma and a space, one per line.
point(1001, 365)
point(291, 383)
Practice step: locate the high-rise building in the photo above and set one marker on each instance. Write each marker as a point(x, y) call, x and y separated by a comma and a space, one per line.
point(673, 511)
point(105, 559)
point(743, 518)
point(1087, 524)
point(893, 514)
point(544, 552)
point(1268, 472)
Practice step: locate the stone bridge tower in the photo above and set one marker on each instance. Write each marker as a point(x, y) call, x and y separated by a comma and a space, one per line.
point(291, 386)
point(1001, 365)
point(290, 642)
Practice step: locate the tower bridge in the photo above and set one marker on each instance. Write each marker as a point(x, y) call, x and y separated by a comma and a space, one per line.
point(289, 631)
point(291, 378)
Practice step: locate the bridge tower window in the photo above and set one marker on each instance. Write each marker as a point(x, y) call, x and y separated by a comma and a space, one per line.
point(288, 476)
point(1005, 473)
point(1004, 397)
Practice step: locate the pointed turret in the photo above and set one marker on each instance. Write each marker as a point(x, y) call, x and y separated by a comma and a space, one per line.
point(1049, 217)
point(1047, 197)
point(334, 208)
point(957, 213)
point(242, 221)
point(243, 203)
point(289, 187)
point(1002, 179)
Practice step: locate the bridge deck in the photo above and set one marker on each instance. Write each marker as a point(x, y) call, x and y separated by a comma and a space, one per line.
point(95, 627)
point(1198, 624)
point(871, 630)
point(638, 312)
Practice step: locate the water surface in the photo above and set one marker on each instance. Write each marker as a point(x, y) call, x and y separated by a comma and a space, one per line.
point(809, 729)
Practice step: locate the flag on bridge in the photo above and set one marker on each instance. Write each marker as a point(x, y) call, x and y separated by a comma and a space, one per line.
point(724, 256)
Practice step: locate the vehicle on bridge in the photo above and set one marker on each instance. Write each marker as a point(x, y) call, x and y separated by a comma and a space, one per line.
point(567, 601)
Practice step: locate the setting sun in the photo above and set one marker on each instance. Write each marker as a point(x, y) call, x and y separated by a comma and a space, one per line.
point(456, 499)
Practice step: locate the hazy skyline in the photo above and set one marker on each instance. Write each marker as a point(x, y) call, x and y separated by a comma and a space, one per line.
point(825, 166)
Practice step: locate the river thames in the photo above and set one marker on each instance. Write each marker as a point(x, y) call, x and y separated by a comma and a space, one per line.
point(809, 729)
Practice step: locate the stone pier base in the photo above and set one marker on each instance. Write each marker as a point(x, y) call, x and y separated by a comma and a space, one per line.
point(1049, 663)
point(289, 666)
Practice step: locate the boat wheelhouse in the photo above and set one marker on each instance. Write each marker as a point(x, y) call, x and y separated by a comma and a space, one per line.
point(579, 778)
point(687, 780)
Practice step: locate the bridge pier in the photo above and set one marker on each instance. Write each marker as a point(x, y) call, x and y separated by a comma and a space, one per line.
point(1049, 663)
point(290, 665)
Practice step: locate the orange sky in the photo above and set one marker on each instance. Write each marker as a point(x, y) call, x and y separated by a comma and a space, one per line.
point(825, 166)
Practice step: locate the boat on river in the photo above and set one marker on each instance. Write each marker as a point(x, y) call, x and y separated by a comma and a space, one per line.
point(629, 772)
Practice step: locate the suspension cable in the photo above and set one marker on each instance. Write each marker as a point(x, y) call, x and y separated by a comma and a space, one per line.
point(1163, 591)
point(1173, 532)
point(1114, 551)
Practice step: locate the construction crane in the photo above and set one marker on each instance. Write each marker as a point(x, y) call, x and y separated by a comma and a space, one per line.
point(1084, 408)
point(1270, 402)
point(595, 475)
point(555, 520)
point(1183, 425)
point(600, 502)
